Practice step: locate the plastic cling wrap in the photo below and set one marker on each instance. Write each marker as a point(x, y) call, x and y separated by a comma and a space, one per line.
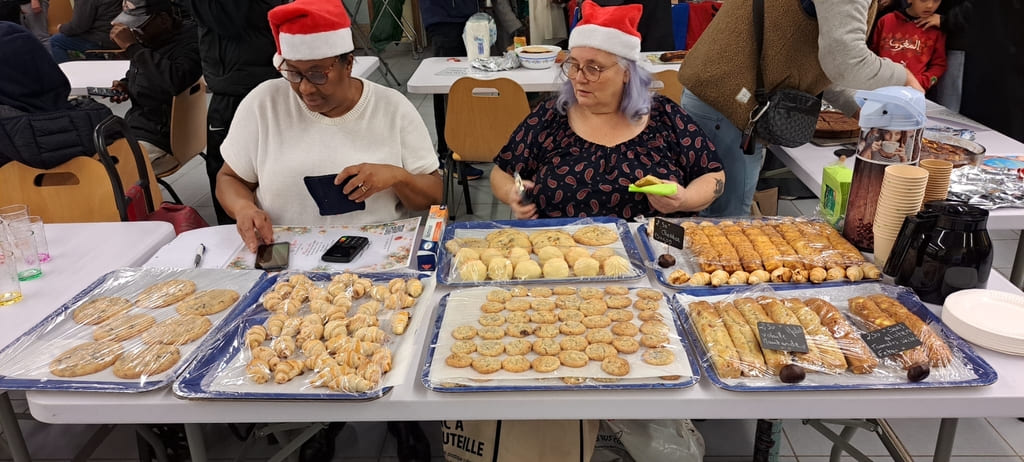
point(833, 321)
point(549, 251)
point(317, 336)
point(132, 330)
point(739, 252)
point(561, 337)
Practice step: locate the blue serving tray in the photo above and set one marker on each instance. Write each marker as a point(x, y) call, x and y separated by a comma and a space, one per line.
point(120, 385)
point(194, 383)
point(556, 386)
point(701, 291)
point(444, 269)
point(985, 374)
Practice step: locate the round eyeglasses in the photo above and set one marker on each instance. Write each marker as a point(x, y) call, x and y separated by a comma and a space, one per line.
point(591, 72)
point(314, 77)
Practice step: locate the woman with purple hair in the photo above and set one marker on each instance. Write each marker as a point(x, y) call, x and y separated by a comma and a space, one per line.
point(578, 153)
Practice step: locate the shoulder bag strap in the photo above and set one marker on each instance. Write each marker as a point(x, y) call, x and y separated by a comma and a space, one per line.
point(758, 10)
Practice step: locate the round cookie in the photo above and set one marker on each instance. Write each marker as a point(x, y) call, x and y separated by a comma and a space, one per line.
point(594, 322)
point(465, 255)
point(473, 270)
point(499, 296)
point(545, 363)
point(178, 330)
point(491, 348)
point(643, 304)
point(86, 358)
point(207, 302)
point(541, 292)
point(459, 243)
point(568, 302)
point(626, 329)
point(491, 333)
point(516, 363)
point(586, 267)
point(543, 239)
point(603, 254)
point(486, 365)
point(590, 293)
point(564, 290)
point(627, 345)
point(574, 380)
point(508, 238)
point(527, 269)
point(492, 319)
point(519, 329)
point(546, 347)
point(573, 254)
point(124, 327)
point(464, 333)
point(543, 304)
point(650, 316)
point(517, 317)
point(463, 347)
point(649, 294)
point(599, 351)
point(544, 317)
point(595, 235)
point(570, 315)
point(459, 361)
point(548, 253)
point(572, 328)
point(147, 361)
point(618, 301)
point(653, 341)
point(615, 266)
point(546, 331)
point(518, 254)
point(574, 343)
point(500, 269)
point(518, 291)
point(614, 365)
point(165, 293)
point(620, 315)
point(573, 358)
point(616, 290)
point(492, 307)
point(599, 336)
point(556, 268)
point(518, 304)
point(593, 307)
point(659, 356)
point(518, 347)
point(99, 310)
point(488, 255)
point(654, 328)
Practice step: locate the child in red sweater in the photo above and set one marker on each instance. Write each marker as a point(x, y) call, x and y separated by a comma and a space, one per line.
point(922, 51)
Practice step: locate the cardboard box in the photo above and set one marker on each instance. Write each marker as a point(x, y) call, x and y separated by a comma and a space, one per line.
point(426, 256)
point(835, 192)
point(766, 203)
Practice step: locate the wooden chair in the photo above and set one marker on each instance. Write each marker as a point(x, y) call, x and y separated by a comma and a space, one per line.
point(672, 89)
point(481, 116)
point(188, 133)
point(57, 13)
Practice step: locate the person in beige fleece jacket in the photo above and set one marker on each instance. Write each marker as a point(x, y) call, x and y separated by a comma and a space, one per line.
point(824, 54)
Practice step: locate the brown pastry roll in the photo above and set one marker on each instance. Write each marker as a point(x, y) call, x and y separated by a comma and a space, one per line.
point(716, 339)
point(938, 352)
point(858, 355)
point(764, 247)
point(749, 257)
point(867, 310)
point(753, 314)
point(831, 355)
point(781, 315)
point(707, 256)
point(727, 255)
point(787, 256)
point(743, 338)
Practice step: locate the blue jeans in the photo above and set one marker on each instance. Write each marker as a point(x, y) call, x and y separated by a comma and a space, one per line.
point(948, 89)
point(741, 170)
point(61, 44)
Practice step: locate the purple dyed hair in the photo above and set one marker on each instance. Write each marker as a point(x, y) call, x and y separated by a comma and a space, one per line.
point(636, 94)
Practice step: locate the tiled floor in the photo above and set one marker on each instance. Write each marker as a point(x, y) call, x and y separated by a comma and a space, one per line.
point(977, 440)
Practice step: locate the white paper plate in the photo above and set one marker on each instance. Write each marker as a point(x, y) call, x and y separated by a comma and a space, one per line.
point(987, 318)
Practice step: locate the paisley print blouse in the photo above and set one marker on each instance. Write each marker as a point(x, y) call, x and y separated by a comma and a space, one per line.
point(576, 178)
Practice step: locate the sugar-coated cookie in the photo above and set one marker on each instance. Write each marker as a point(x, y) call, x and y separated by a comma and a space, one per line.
point(573, 254)
point(518, 254)
point(603, 254)
point(488, 255)
point(549, 253)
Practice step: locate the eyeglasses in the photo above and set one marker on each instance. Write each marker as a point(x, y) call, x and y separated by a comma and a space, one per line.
point(591, 72)
point(314, 77)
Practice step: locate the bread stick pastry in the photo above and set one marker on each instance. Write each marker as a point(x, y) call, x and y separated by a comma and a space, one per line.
point(809, 254)
point(831, 355)
point(753, 314)
point(831, 257)
point(938, 352)
point(729, 259)
point(749, 257)
point(697, 241)
point(787, 256)
point(859, 357)
point(764, 247)
point(851, 256)
point(716, 339)
point(869, 311)
point(781, 315)
point(743, 338)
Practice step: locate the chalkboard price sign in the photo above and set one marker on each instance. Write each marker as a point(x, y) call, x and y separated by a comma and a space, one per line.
point(888, 341)
point(782, 337)
point(669, 233)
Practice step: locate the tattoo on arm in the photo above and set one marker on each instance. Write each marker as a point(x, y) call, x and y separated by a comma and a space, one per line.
point(719, 187)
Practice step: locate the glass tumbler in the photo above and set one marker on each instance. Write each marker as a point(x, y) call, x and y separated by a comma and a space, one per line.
point(35, 224)
point(23, 243)
point(10, 288)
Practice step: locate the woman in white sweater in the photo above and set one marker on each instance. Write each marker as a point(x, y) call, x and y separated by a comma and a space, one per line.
point(319, 120)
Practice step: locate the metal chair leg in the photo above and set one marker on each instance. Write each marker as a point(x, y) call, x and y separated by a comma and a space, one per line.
point(465, 188)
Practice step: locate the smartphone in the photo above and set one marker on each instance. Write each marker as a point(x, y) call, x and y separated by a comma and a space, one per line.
point(107, 92)
point(329, 198)
point(272, 257)
point(345, 249)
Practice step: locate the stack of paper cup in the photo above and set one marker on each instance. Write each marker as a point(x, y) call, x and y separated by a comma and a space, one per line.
point(938, 179)
point(902, 191)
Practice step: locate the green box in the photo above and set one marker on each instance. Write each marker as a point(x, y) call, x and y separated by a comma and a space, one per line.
point(835, 192)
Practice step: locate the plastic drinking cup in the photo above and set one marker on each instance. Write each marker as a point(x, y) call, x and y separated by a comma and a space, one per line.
point(35, 224)
point(10, 288)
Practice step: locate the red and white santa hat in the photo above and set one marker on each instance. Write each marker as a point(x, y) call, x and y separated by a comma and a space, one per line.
point(310, 29)
point(609, 28)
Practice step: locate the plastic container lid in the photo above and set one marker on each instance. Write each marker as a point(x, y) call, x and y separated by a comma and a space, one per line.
point(895, 108)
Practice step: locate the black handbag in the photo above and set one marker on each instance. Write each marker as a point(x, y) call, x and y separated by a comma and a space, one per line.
point(785, 117)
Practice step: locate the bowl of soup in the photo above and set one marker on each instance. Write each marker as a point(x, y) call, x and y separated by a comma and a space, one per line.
point(538, 56)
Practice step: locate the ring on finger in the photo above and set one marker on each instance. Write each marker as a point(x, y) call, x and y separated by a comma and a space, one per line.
point(362, 188)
